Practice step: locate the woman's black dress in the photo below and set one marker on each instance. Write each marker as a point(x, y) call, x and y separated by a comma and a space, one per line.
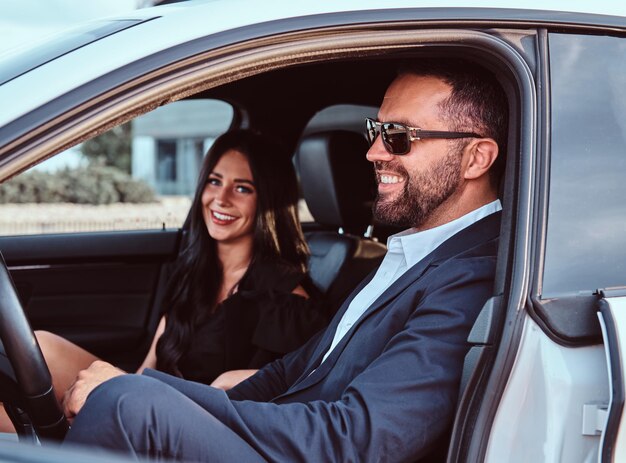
point(259, 323)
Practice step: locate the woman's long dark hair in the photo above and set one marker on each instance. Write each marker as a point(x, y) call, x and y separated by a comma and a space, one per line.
point(191, 295)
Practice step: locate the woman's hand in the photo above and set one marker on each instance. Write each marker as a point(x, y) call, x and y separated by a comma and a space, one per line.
point(231, 378)
point(86, 381)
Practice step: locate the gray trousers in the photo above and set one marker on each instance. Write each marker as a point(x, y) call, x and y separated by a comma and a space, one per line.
point(144, 417)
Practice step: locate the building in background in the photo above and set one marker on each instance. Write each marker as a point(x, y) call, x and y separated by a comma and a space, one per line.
point(168, 144)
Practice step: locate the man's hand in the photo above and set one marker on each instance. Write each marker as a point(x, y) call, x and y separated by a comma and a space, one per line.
point(231, 378)
point(86, 381)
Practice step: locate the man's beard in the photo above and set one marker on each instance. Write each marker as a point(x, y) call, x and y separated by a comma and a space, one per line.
point(422, 192)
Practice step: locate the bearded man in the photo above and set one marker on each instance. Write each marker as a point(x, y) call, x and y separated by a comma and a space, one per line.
point(381, 382)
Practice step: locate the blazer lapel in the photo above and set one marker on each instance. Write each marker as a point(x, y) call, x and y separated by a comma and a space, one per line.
point(329, 334)
point(316, 370)
point(476, 234)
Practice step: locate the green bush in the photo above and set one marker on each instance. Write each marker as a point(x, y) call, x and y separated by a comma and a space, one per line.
point(94, 184)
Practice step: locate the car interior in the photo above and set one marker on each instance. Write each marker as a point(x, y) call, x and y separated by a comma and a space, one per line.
point(103, 290)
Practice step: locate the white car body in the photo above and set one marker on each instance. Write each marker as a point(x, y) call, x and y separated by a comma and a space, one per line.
point(548, 401)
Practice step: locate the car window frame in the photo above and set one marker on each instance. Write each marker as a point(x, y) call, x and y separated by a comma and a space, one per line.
point(119, 99)
point(567, 319)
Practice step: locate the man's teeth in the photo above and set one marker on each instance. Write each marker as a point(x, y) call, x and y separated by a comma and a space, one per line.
point(223, 216)
point(389, 179)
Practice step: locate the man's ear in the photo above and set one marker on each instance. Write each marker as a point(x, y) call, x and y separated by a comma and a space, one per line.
point(482, 154)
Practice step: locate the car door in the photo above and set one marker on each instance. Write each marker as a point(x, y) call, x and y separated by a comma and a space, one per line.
point(563, 399)
point(90, 235)
point(100, 290)
point(608, 418)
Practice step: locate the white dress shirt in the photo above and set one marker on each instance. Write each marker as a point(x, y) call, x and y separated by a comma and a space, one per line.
point(404, 250)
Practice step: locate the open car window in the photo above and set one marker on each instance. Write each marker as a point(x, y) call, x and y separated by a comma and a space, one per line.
point(138, 175)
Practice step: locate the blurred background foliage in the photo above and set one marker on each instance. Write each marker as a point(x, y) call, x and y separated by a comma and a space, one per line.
point(105, 179)
point(112, 148)
point(92, 184)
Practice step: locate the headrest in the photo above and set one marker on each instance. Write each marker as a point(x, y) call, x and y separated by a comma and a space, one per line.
point(337, 180)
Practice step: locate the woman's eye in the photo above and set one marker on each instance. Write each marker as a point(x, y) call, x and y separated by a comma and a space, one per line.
point(213, 181)
point(244, 189)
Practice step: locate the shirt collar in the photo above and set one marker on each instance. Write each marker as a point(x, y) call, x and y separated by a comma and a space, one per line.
point(417, 245)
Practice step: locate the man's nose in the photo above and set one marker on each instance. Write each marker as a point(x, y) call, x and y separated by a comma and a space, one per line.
point(377, 151)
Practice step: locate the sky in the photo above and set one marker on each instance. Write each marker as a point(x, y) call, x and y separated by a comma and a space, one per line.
point(22, 21)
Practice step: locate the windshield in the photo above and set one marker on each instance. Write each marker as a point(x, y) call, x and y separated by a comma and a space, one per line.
point(16, 64)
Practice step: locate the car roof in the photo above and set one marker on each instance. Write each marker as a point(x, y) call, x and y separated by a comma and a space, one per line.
point(242, 12)
point(89, 51)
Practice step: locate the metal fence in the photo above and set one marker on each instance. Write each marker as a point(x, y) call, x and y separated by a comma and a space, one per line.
point(30, 219)
point(25, 219)
point(33, 228)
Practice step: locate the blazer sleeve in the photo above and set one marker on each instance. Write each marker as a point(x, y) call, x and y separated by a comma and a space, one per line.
point(398, 406)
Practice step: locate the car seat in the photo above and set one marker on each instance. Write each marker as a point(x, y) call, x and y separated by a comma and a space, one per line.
point(338, 185)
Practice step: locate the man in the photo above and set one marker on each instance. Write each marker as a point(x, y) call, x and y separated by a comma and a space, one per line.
point(380, 383)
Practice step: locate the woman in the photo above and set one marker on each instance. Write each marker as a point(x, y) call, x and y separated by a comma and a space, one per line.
point(239, 296)
point(258, 304)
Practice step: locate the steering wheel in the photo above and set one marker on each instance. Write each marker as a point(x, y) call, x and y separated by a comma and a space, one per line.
point(30, 375)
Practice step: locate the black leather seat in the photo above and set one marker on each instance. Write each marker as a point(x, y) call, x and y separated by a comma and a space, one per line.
point(338, 185)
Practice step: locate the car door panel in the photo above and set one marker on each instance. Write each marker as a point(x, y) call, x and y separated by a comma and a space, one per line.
point(151, 245)
point(100, 290)
point(612, 315)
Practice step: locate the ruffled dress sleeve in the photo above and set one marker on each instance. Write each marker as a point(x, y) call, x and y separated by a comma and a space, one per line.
point(284, 320)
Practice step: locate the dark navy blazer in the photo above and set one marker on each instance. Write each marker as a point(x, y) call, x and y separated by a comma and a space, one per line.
point(388, 390)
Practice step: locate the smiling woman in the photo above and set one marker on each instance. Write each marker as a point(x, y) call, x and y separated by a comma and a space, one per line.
point(245, 264)
point(240, 295)
point(254, 239)
point(229, 201)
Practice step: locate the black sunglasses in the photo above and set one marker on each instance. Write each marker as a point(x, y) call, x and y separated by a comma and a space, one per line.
point(397, 137)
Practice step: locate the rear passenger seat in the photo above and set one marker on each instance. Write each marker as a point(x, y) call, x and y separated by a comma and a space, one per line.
point(338, 185)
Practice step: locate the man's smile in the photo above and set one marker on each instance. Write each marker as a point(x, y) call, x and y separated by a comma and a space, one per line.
point(389, 180)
